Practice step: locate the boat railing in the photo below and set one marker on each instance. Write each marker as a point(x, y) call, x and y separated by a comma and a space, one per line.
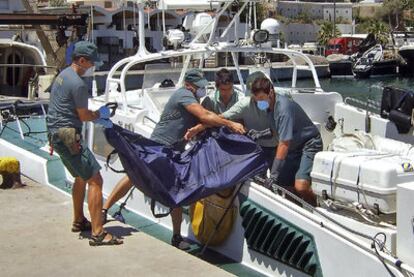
point(368, 105)
point(187, 54)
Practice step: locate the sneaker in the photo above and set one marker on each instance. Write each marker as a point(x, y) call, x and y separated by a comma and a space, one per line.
point(178, 241)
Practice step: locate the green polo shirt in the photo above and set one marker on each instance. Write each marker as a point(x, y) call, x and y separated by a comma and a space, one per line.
point(214, 103)
point(253, 118)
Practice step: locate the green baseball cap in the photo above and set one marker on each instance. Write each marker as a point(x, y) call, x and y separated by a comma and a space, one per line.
point(251, 78)
point(88, 50)
point(196, 76)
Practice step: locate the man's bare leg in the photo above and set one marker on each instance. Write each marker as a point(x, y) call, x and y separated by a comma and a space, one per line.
point(177, 240)
point(95, 203)
point(95, 210)
point(303, 188)
point(177, 218)
point(120, 190)
point(78, 197)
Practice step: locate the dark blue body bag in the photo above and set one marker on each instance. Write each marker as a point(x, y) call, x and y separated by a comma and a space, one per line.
point(219, 160)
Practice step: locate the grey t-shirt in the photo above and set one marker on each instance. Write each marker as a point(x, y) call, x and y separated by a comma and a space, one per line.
point(292, 123)
point(253, 118)
point(175, 119)
point(69, 92)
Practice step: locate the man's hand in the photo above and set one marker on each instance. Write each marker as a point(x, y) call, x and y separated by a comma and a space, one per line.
point(192, 132)
point(276, 168)
point(106, 123)
point(104, 112)
point(237, 128)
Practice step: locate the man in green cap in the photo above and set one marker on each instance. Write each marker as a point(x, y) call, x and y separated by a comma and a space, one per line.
point(182, 112)
point(68, 109)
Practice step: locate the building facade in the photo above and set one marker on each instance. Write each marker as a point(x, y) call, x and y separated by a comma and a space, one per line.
point(10, 6)
point(315, 11)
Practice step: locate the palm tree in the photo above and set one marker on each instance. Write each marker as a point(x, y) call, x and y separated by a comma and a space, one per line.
point(395, 8)
point(326, 32)
point(380, 31)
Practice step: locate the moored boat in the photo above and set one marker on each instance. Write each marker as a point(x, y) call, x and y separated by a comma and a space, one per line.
point(273, 235)
point(375, 62)
point(340, 65)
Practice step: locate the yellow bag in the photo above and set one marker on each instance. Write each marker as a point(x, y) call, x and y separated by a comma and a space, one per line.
point(207, 212)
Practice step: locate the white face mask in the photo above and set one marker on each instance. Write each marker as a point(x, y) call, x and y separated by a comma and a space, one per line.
point(200, 93)
point(89, 72)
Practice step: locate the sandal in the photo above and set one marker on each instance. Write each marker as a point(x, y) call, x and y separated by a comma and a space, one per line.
point(100, 240)
point(85, 225)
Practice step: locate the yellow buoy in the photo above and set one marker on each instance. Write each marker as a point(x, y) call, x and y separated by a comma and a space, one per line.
point(10, 172)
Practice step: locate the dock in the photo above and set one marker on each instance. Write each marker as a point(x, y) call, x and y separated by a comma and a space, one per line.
point(36, 240)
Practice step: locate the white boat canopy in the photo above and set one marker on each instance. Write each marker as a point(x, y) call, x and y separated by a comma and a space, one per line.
point(188, 5)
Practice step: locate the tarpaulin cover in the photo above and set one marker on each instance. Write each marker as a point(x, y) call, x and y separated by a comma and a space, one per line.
point(219, 160)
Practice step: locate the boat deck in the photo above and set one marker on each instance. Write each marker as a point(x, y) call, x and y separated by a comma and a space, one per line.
point(36, 241)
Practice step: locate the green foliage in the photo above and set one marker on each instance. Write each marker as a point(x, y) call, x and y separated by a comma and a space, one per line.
point(327, 32)
point(392, 11)
point(379, 28)
point(264, 10)
point(56, 3)
point(304, 18)
point(282, 19)
point(380, 31)
point(362, 26)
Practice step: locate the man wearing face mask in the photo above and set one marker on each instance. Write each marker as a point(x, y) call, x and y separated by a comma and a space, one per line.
point(68, 109)
point(182, 111)
point(299, 139)
point(246, 111)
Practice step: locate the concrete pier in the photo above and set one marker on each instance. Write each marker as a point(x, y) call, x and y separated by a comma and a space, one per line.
point(35, 240)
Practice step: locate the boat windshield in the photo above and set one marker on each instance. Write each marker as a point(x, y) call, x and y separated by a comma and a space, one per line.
point(160, 82)
point(162, 75)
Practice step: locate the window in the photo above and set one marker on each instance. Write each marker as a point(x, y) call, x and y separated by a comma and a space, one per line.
point(108, 5)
